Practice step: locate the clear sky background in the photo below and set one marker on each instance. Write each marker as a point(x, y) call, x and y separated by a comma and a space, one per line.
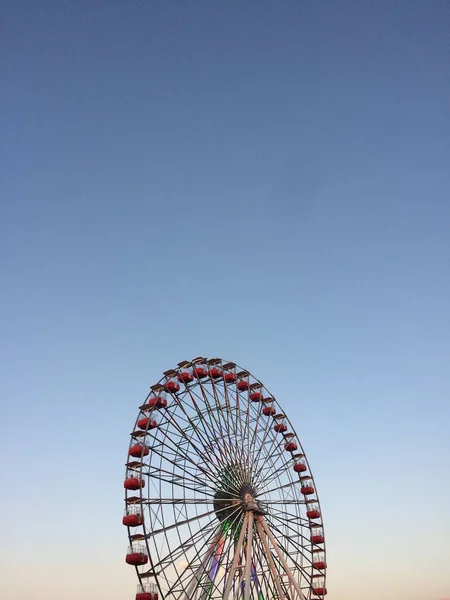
point(267, 181)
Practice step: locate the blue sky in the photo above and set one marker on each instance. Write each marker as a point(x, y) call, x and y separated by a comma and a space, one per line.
point(263, 181)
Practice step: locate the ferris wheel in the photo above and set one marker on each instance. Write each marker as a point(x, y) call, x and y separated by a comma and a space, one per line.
point(220, 500)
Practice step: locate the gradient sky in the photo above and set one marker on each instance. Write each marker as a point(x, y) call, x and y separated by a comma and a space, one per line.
point(266, 181)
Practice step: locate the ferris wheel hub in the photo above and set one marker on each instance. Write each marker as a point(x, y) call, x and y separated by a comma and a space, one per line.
point(231, 501)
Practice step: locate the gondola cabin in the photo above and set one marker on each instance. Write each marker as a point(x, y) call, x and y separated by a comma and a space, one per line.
point(138, 450)
point(133, 483)
point(147, 423)
point(133, 520)
point(200, 372)
point(172, 387)
point(243, 385)
point(215, 373)
point(185, 377)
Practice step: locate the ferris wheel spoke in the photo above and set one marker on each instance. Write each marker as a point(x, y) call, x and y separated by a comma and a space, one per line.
point(247, 430)
point(233, 434)
point(178, 480)
point(220, 568)
point(237, 554)
point(205, 416)
point(272, 576)
point(290, 517)
point(240, 430)
point(182, 549)
point(148, 501)
point(178, 551)
point(268, 448)
point(181, 523)
point(180, 501)
point(274, 451)
point(283, 465)
point(217, 424)
point(291, 484)
point(281, 557)
point(269, 464)
point(201, 452)
point(235, 448)
point(205, 436)
point(260, 453)
point(234, 423)
point(178, 452)
point(215, 577)
point(174, 447)
point(206, 448)
point(212, 425)
point(263, 578)
point(227, 520)
point(213, 443)
point(261, 430)
point(199, 572)
point(184, 480)
point(183, 578)
point(283, 501)
point(248, 558)
point(192, 569)
point(298, 547)
point(274, 571)
point(293, 538)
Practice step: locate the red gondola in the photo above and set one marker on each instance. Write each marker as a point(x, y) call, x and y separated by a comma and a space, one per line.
point(230, 378)
point(290, 447)
point(138, 450)
point(215, 373)
point(136, 558)
point(172, 386)
point(243, 385)
point(132, 520)
point(185, 377)
point(157, 402)
point(133, 483)
point(256, 397)
point(147, 423)
point(320, 591)
point(280, 427)
point(300, 467)
point(317, 539)
point(269, 411)
point(200, 372)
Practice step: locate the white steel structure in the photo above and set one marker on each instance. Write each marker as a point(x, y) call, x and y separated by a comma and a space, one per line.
point(220, 499)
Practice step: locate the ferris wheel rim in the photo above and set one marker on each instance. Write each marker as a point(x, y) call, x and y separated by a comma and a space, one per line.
point(174, 399)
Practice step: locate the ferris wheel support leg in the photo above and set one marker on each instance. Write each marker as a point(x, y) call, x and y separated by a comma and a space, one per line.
point(275, 574)
point(201, 569)
point(248, 558)
point(234, 564)
point(281, 558)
